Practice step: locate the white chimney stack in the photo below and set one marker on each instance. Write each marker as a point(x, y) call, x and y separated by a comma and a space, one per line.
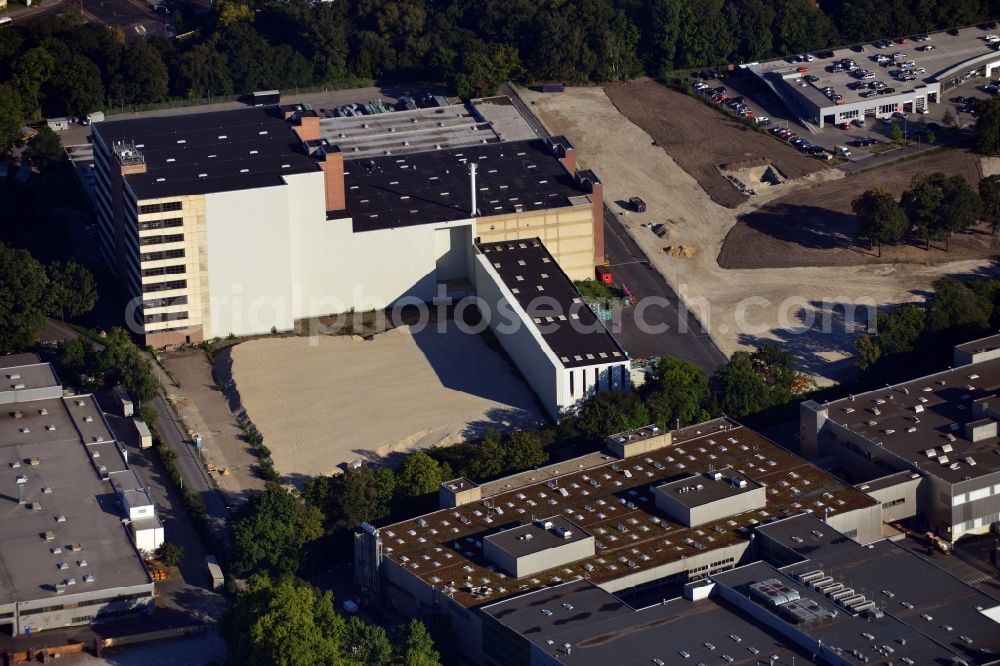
point(472, 181)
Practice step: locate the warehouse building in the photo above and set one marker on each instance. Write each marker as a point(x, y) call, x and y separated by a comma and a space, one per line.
point(70, 550)
point(809, 596)
point(67, 558)
point(926, 448)
point(554, 338)
point(819, 91)
point(243, 221)
point(597, 518)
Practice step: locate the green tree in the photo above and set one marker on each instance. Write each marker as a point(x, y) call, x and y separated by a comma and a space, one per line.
point(72, 354)
point(605, 414)
point(524, 450)
point(270, 529)
point(366, 644)
point(282, 624)
point(489, 457)
point(989, 195)
point(868, 351)
point(931, 137)
point(203, 72)
point(960, 207)
point(148, 415)
point(987, 128)
point(29, 72)
point(958, 309)
point(897, 134)
point(142, 77)
point(11, 118)
point(739, 389)
point(414, 645)
point(44, 149)
point(898, 331)
point(948, 119)
point(170, 554)
point(121, 361)
point(880, 219)
point(359, 495)
point(483, 67)
point(777, 368)
point(922, 202)
point(676, 391)
point(73, 290)
point(419, 474)
point(75, 88)
point(23, 298)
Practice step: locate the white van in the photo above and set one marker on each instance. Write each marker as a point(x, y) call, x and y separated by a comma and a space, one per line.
point(5, 20)
point(843, 151)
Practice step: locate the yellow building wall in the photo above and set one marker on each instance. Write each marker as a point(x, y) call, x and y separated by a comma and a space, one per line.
point(567, 232)
point(195, 261)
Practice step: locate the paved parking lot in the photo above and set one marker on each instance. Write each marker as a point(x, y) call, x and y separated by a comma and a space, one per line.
point(762, 101)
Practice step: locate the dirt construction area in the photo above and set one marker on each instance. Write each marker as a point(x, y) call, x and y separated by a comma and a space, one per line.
point(807, 310)
point(815, 227)
point(321, 402)
point(701, 140)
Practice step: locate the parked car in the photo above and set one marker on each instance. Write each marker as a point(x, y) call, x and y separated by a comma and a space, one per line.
point(637, 204)
point(954, 32)
point(926, 47)
point(857, 122)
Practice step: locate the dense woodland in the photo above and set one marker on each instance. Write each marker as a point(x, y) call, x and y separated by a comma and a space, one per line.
point(62, 66)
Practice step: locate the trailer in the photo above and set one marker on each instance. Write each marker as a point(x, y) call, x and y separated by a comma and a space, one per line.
point(266, 97)
point(142, 430)
point(124, 402)
point(215, 572)
point(553, 88)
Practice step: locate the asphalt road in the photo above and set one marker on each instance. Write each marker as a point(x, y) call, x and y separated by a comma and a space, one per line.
point(190, 465)
point(670, 330)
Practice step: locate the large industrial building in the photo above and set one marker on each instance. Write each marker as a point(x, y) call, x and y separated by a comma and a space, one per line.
point(243, 221)
point(809, 596)
point(655, 511)
point(819, 90)
point(927, 447)
point(73, 515)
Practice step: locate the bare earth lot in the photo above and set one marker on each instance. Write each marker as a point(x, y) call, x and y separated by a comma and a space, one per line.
point(815, 227)
point(700, 140)
point(323, 403)
point(801, 308)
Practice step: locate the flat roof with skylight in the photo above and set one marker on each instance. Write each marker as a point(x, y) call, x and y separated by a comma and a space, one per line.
point(67, 537)
point(550, 299)
point(613, 500)
point(943, 424)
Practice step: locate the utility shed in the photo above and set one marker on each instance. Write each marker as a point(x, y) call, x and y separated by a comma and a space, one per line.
point(537, 546)
point(700, 499)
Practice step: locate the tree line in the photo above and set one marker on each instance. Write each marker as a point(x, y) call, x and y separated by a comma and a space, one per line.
point(54, 66)
point(933, 208)
point(912, 339)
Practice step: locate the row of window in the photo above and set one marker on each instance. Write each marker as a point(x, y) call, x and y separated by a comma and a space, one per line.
point(162, 254)
point(973, 495)
point(159, 240)
point(975, 523)
point(624, 379)
point(160, 207)
point(165, 316)
point(164, 286)
point(169, 223)
point(176, 269)
point(165, 302)
point(892, 503)
point(90, 602)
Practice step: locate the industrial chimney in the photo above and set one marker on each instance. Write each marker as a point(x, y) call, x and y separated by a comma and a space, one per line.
point(472, 184)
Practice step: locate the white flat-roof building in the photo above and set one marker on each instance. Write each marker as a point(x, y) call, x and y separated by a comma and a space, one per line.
point(825, 91)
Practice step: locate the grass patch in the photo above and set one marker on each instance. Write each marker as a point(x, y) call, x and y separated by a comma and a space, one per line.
point(596, 291)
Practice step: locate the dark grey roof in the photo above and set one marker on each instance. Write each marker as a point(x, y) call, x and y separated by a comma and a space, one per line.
point(564, 320)
point(69, 450)
point(914, 417)
point(534, 537)
point(602, 629)
point(220, 144)
point(698, 489)
point(434, 186)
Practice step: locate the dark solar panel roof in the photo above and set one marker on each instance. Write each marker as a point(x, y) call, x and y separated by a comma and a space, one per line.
point(434, 186)
point(564, 320)
point(218, 151)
